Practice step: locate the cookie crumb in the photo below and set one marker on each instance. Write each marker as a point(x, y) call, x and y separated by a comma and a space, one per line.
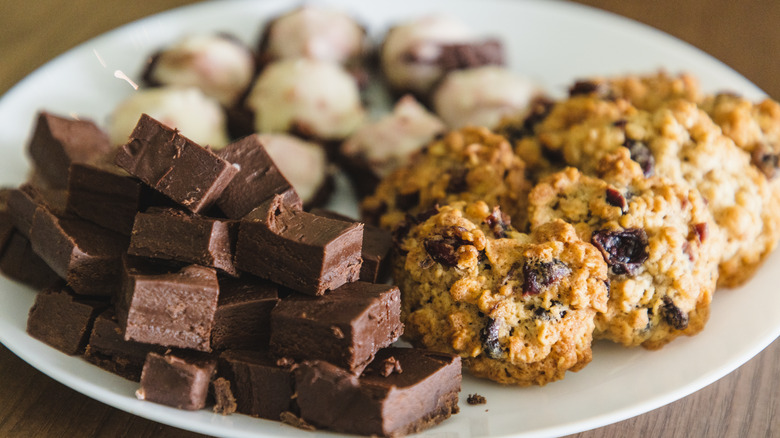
point(288, 417)
point(476, 399)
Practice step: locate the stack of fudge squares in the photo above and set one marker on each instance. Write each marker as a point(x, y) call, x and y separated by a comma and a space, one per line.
point(200, 275)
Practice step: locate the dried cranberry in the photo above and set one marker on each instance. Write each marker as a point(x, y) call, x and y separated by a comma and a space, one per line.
point(539, 110)
point(624, 251)
point(444, 249)
point(539, 275)
point(620, 123)
point(617, 199)
point(642, 155)
point(701, 231)
point(554, 156)
point(407, 201)
point(457, 182)
point(498, 222)
point(673, 315)
point(766, 160)
point(589, 87)
point(489, 336)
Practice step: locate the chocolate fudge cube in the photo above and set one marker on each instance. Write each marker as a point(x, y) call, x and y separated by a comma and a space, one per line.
point(177, 379)
point(57, 142)
point(104, 196)
point(6, 229)
point(174, 165)
point(345, 327)
point(174, 309)
point(171, 234)
point(377, 243)
point(62, 320)
point(87, 256)
point(108, 349)
point(403, 391)
point(24, 201)
point(19, 262)
point(262, 388)
point(258, 179)
point(305, 252)
point(243, 316)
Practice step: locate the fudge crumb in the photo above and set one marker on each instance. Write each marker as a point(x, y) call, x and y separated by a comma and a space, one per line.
point(226, 403)
point(391, 365)
point(476, 399)
point(288, 417)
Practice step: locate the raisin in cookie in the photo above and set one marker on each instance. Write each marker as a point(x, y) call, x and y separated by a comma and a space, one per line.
point(517, 308)
point(659, 240)
point(466, 165)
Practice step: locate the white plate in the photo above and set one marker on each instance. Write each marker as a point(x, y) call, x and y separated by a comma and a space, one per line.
point(552, 42)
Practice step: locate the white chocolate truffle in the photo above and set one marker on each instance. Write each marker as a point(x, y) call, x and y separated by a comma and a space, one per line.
point(316, 33)
point(219, 65)
point(410, 51)
point(482, 96)
point(389, 142)
point(304, 164)
point(316, 99)
point(198, 117)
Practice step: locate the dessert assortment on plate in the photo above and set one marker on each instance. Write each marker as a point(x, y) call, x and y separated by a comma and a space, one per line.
point(185, 247)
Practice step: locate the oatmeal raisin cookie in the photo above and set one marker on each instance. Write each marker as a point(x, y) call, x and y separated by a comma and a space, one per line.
point(518, 308)
point(660, 241)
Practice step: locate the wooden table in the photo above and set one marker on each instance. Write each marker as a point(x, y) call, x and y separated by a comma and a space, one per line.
point(744, 35)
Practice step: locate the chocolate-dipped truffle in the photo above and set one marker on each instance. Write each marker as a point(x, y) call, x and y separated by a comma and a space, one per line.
point(482, 96)
point(313, 32)
point(378, 148)
point(187, 109)
point(416, 54)
point(315, 99)
point(304, 164)
point(221, 66)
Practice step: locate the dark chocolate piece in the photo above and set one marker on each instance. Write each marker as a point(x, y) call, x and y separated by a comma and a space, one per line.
point(261, 387)
point(108, 349)
point(174, 165)
point(224, 402)
point(243, 316)
point(171, 234)
point(19, 262)
point(258, 179)
point(57, 142)
point(424, 394)
point(377, 243)
point(87, 256)
point(174, 309)
point(104, 196)
point(61, 320)
point(345, 327)
point(305, 252)
point(177, 379)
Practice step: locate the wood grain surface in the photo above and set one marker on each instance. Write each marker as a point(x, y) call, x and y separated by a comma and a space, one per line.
point(744, 35)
